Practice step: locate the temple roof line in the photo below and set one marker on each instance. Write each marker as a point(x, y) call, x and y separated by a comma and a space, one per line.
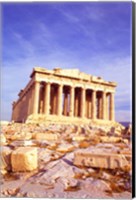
point(72, 73)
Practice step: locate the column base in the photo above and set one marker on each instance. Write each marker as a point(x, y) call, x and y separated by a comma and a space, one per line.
point(55, 119)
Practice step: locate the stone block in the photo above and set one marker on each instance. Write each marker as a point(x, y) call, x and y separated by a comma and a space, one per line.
point(110, 139)
point(63, 148)
point(2, 139)
point(46, 136)
point(21, 136)
point(107, 160)
point(78, 138)
point(5, 159)
point(24, 159)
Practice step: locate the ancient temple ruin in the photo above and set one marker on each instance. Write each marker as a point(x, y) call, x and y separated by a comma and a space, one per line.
point(64, 95)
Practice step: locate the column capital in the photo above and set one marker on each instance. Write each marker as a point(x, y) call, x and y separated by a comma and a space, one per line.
point(37, 81)
point(83, 88)
point(110, 91)
point(61, 84)
point(72, 86)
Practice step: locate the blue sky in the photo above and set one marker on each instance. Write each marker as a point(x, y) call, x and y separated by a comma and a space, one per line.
point(91, 36)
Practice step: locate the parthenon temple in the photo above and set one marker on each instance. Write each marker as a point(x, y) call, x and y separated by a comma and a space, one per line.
point(64, 95)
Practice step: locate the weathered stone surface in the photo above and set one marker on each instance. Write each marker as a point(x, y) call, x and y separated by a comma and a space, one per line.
point(2, 139)
point(11, 188)
point(18, 143)
point(56, 176)
point(5, 159)
point(4, 123)
point(78, 138)
point(24, 159)
point(111, 139)
point(127, 131)
point(106, 160)
point(65, 148)
point(46, 136)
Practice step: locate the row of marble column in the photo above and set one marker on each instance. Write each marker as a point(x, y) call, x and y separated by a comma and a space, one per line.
point(101, 108)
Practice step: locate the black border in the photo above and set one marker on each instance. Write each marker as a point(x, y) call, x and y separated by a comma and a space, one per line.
point(133, 97)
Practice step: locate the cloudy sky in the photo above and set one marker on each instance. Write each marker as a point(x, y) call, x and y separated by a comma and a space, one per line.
point(91, 36)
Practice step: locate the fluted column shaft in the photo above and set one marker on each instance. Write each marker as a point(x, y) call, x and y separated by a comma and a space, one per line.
point(65, 103)
point(60, 91)
point(94, 105)
point(112, 117)
point(72, 94)
point(83, 102)
point(36, 97)
point(104, 106)
point(47, 99)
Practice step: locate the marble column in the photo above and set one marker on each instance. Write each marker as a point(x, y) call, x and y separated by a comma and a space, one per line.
point(55, 101)
point(89, 107)
point(47, 98)
point(107, 107)
point(104, 106)
point(82, 106)
point(76, 104)
point(72, 89)
point(112, 117)
point(99, 107)
point(65, 103)
point(93, 104)
point(36, 97)
point(60, 91)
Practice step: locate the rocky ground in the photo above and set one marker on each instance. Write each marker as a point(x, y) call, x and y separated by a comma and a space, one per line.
point(57, 176)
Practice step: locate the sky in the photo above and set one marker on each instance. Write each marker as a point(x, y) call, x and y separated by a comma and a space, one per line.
point(94, 37)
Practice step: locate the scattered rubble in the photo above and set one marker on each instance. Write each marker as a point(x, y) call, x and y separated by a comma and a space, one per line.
point(103, 160)
point(65, 161)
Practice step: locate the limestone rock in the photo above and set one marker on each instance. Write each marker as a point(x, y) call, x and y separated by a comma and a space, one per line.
point(63, 148)
point(24, 159)
point(78, 138)
point(5, 159)
point(111, 139)
point(103, 160)
point(2, 139)
point(18, 143)
point(46, 136)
